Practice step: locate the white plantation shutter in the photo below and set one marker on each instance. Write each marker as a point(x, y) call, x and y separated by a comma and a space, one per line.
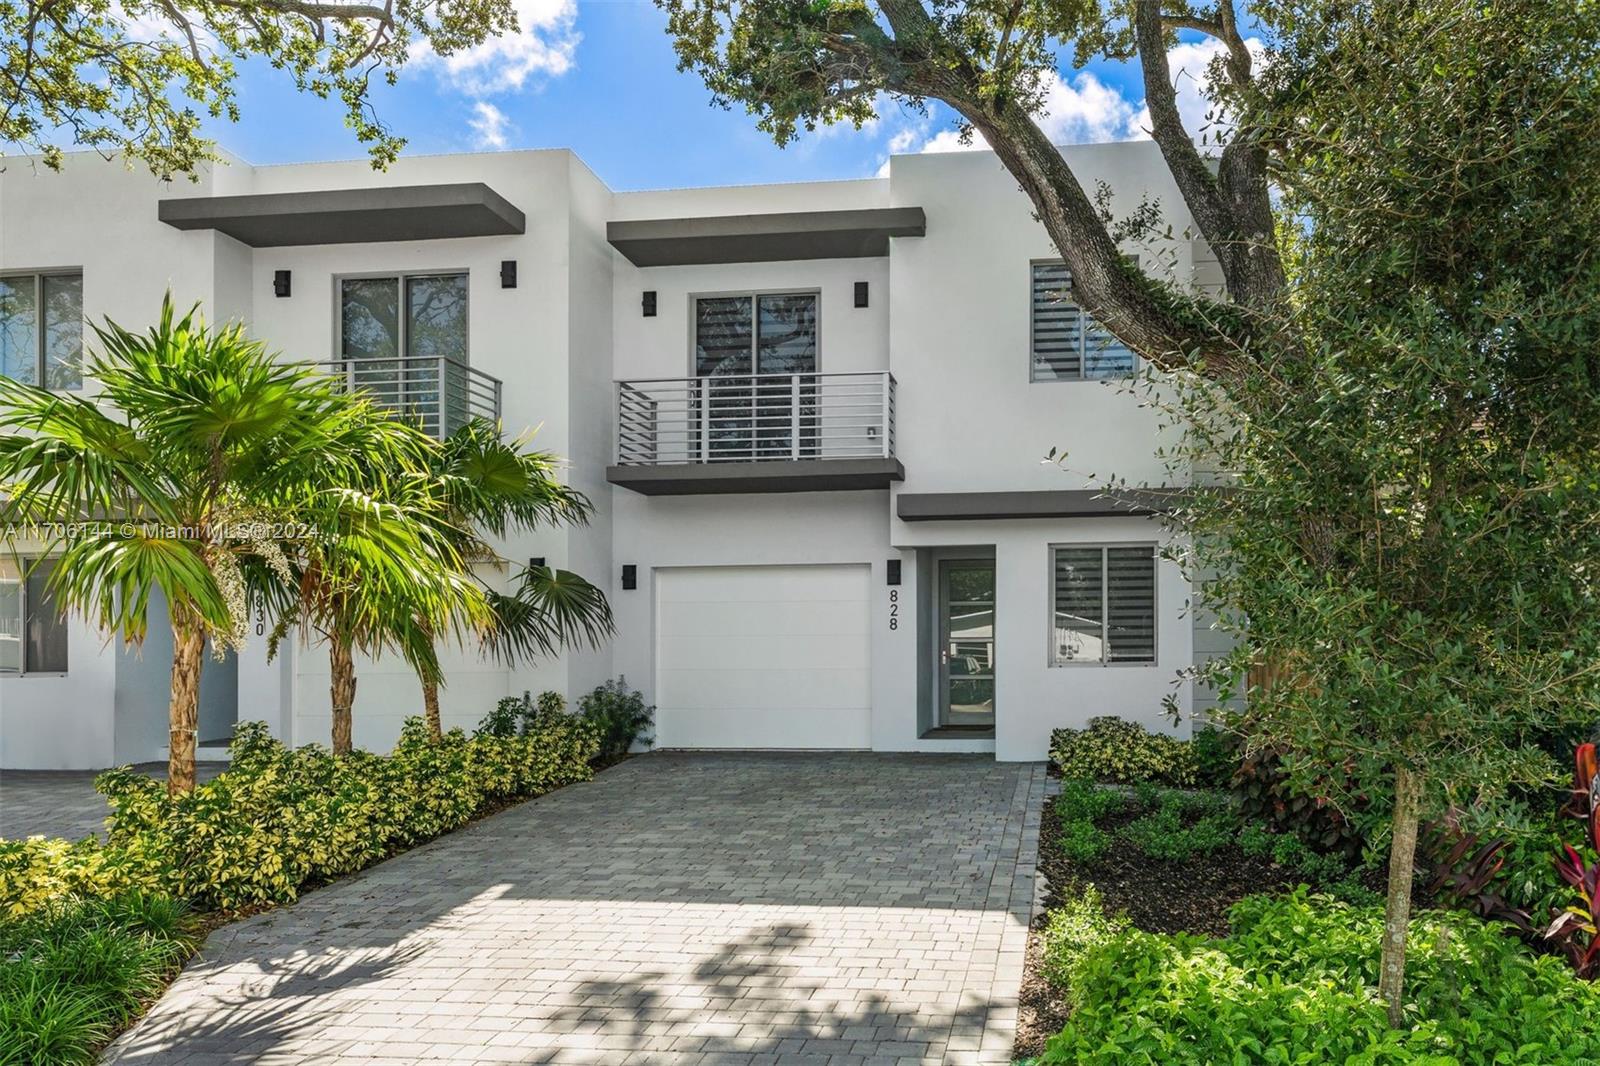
point(1105, 605)
point(1131, 605)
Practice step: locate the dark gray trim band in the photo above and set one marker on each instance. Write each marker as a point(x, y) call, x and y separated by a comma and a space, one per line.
point(804, 475)
point(1067, 503)
point(765, 238)
point(348, 216)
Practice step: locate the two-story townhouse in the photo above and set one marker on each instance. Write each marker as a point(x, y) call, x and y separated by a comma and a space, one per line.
point(812, 418)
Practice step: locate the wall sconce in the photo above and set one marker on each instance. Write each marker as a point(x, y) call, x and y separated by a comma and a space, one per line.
point(630, 576)
point(649, 303)
point(508, 273)
point(894, 571)
point(280, 283)
point(861, 294)
point(536, 563)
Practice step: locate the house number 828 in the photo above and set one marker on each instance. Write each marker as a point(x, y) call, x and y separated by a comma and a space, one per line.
point(894, 608)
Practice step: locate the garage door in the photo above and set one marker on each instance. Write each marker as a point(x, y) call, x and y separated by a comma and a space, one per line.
point(762, 657)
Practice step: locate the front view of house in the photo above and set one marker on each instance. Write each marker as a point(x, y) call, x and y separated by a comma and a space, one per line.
point(813, 420)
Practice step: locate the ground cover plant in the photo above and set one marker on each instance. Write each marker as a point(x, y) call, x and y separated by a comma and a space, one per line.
point(74, 971)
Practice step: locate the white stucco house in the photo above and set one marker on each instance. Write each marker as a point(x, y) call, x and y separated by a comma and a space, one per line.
point(811, 417)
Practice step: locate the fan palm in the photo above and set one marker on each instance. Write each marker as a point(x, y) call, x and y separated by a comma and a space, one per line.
point(491, 487)
point(201, 454)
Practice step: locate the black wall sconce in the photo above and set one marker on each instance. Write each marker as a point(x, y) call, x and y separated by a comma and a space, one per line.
point(536, 563)
point(861, 294)
point(508, 273)
point(649, 303)
point(280, 283)
point(630, 576)
point(894, 571)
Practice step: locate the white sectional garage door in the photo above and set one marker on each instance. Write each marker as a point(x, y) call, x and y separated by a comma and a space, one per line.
point(762, 657)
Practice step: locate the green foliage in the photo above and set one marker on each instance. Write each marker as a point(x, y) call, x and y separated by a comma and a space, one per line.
point(1267, 793)
point(517, 716)
point(1184, 825)
point(1296, 983)
point(1078, 806)
point(1079, 925)
point(619, 717)
point(137, 77)
point(1118, 751)
point(1216, 757)
point(279, 818)
point(72, 972)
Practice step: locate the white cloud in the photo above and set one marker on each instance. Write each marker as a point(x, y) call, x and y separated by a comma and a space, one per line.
point(489, 125)
point(544, 44)
point(1085, 112)
point(1189, 67)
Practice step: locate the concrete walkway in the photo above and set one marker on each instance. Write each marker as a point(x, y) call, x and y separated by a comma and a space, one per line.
point(682, 908)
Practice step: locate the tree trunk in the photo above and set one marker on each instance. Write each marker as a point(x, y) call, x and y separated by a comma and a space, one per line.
point(342, 689)
point(430, 709)
point(183, 712)
point(1397, 912)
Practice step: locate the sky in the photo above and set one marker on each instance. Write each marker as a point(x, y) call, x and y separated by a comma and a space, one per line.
point(600, 77)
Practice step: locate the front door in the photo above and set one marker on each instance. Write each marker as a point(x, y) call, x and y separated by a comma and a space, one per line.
point(966, 644)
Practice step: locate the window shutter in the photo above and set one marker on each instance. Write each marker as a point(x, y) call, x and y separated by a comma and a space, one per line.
point(1131, 604)
point(1079, 620)
point(1057, 325)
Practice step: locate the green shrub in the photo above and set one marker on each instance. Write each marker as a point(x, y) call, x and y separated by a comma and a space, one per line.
point(1297, 983)
point(1071, 930)
point(1262, 788)
point(1184, 825)
point(619, 717)
point(281, 818)
point(1079, 805)
point(1216, 757)
point(517, 716)
point(1118, 751)
point(72, 973)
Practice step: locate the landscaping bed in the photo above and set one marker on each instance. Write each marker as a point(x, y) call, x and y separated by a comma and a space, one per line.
point(1181, 925)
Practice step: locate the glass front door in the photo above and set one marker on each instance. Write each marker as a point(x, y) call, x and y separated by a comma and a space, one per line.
point(966, 643)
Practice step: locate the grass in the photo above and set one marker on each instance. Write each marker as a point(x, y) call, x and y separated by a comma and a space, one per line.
point(74, 974)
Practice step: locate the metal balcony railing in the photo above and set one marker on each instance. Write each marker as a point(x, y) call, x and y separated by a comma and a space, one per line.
point(438, 393)
point(755, 418)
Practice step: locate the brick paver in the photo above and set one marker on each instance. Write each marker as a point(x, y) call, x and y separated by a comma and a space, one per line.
point(690, 909)
point(63, 803)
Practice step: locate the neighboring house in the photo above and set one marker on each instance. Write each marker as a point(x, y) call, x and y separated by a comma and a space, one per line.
point(812, 418)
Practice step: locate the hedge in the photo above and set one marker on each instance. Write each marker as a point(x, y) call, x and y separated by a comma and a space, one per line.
point(281, 818)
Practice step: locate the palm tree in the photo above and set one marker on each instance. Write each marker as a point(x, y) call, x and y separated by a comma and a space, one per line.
point(200, 458)
point(490, 487)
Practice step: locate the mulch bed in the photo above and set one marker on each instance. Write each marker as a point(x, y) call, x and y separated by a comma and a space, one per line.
point(1157, 896)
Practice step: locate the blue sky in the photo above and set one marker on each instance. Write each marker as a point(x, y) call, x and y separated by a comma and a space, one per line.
point(599, 76)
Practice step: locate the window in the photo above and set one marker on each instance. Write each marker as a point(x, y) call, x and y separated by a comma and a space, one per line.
point(748, 417)
point(1104, 605)
point(1069, 345)
point(33, 633)
point(41, 329)
point(773, 333)
point(407, 338)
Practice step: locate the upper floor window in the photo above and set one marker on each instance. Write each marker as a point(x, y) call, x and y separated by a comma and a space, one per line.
point(33, 632)
point(1069, 345)
point(756, 333)
point(1104, 608)
point(404, 315)
point(41, 329)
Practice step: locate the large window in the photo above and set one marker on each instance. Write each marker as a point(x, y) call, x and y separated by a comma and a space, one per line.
point(406, 337)
point(741, 414)
point(1068, 344)
point(33, 633)
point(41, 329)
point(1104, 605)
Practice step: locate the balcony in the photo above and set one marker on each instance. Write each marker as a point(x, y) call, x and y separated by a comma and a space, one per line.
point(436, 392)
point(756, 433)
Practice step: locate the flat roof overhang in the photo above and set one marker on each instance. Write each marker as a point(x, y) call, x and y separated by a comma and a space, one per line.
point(349, 216)
point(765, 238)
point(784, 475)
point(1065, 503)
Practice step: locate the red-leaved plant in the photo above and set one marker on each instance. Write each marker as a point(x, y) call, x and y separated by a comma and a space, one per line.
point(1577, 929)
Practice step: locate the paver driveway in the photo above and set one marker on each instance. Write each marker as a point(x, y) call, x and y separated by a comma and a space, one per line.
point(681, 908)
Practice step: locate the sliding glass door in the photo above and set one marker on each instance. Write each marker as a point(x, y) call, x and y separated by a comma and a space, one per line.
point(754, 355)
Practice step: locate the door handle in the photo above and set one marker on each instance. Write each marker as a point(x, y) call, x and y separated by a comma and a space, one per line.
point(944, 656)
